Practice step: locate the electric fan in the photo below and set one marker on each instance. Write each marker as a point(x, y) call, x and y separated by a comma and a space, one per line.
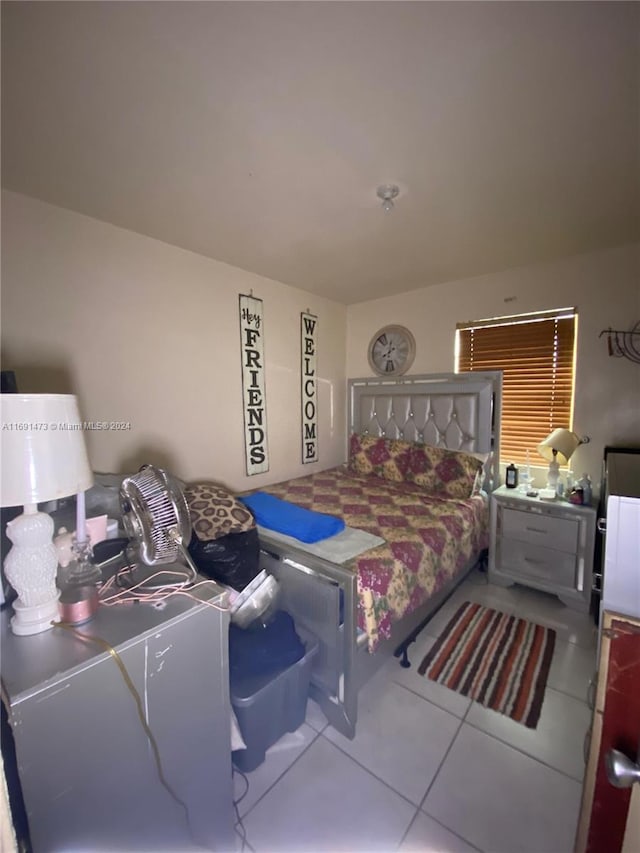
point(156, 516)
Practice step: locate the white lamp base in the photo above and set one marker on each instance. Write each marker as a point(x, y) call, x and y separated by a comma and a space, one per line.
point(30, 567)
point(553, 475)
point(35, 619)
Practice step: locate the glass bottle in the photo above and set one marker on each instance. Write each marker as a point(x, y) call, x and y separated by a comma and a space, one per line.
point(524, 477)
point(585, 484)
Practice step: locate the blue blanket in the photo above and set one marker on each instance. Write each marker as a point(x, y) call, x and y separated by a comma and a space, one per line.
point(285, 517)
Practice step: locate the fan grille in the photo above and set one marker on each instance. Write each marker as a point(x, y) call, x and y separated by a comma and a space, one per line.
point(155, 512)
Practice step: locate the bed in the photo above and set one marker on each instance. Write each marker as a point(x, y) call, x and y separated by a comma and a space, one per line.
point(422, 459)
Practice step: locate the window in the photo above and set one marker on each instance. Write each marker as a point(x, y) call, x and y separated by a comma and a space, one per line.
point(536, 355)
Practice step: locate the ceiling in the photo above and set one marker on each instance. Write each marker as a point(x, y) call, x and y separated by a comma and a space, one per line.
point(257, 133)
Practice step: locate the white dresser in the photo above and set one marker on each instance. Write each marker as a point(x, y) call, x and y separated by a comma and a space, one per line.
point(87, 768)
point(546, 545)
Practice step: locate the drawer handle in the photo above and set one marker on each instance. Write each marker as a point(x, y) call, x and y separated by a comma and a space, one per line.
point(534, 530)
point(534, 562)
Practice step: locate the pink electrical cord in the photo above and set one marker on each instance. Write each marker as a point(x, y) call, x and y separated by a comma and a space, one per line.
point(137, 592)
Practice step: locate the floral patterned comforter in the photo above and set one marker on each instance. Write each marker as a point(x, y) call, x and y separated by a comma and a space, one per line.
point(428, 539)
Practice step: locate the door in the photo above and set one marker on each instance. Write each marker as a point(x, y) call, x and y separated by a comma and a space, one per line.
point(610, 815)
point(631, 843)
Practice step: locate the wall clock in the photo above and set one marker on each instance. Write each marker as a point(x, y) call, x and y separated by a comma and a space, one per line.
point(391, 351)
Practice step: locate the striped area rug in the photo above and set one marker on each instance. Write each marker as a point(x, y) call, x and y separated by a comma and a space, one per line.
point(494, 658)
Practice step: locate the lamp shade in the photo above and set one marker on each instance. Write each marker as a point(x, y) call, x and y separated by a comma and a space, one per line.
point(563, 441)
point(44, 455)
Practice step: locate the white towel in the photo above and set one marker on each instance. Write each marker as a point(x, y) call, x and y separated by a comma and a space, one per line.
point(340, 548)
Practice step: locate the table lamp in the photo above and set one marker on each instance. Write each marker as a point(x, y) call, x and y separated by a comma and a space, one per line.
point(44, 457)
point(557, 448)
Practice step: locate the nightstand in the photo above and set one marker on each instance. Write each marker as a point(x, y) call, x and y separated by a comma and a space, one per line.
point(547, 545)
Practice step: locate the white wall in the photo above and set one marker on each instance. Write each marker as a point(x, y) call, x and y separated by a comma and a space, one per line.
point(144, 332)
point(604, 287)
point(148, 333)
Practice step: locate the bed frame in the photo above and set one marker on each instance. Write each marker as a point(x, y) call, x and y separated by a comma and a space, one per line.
point(456, 411)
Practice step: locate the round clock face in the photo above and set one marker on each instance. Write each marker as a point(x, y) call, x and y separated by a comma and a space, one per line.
point(391, 351)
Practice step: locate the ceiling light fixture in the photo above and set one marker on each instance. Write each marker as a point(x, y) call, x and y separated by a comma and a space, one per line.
point(387, 193)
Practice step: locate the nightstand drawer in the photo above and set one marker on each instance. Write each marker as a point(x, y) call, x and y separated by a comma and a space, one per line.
point(535, 561)
point(535, 528)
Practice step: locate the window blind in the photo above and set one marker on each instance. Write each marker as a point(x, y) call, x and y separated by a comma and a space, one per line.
point(536, 355)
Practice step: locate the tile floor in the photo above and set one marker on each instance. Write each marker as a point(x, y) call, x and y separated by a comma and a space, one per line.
point(428, 769)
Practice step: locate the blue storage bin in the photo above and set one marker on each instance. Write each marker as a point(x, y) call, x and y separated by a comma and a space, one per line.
point(278, 707)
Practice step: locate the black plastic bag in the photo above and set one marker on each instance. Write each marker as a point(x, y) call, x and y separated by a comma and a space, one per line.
point(233, 559)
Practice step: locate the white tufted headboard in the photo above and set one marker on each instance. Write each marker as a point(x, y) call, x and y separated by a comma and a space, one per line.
point(459, 411)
